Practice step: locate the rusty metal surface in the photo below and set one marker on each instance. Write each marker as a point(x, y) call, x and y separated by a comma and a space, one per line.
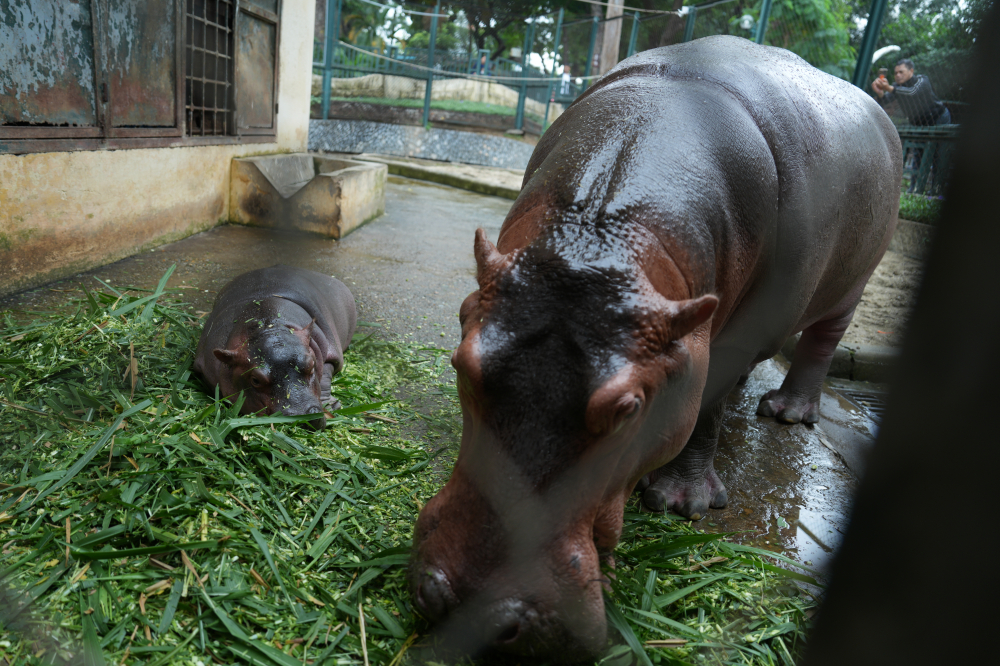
point(47, 63)
point(256, 44)
point(140, 59)
point(268, 5)
point(208, 82)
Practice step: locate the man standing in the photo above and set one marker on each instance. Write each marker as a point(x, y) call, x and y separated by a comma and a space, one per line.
point(914, 94)
point(564, 87)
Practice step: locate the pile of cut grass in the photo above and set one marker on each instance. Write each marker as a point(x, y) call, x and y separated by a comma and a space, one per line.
point(146, 522)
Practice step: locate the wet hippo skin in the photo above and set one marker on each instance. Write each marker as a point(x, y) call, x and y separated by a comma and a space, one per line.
point(278, 335)
point(696, 207)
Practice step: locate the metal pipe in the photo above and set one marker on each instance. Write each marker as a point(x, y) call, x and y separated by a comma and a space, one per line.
point(529, 39)
point(761, 28)
point(332, 35)
point(590, 51)
point(689, 24)
point(430, 65)
point(555, 74)
point(872, 31)
point(635, 34)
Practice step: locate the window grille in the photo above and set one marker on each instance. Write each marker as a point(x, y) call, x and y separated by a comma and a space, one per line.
point(209, 94)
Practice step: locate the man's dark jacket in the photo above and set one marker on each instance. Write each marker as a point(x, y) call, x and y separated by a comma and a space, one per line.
point(916, 100)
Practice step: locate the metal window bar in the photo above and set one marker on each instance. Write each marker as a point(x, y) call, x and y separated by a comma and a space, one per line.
point(209, 75)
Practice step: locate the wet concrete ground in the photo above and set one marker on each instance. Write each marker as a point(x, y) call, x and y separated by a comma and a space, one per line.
point(410, 270)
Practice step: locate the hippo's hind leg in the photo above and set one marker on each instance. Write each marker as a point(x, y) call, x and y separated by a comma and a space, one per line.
point(797, 401)
point(688, 484)
point(325, 394)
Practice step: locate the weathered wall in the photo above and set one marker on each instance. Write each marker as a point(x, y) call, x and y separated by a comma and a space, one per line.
point(61, 213)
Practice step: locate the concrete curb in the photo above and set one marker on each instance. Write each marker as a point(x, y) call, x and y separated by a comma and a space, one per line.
point(441, 176)
point(860, 363)
point(912, 239)
point(410, 171)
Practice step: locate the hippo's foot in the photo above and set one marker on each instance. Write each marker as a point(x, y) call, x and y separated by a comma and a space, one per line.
point(684, 494)
point(789, 407)
point(331, 404)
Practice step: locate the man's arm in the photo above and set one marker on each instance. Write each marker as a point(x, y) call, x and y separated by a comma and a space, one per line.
point(921, 87)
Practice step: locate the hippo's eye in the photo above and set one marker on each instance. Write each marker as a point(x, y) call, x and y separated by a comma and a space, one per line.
point(636, 407)
point(258, 379)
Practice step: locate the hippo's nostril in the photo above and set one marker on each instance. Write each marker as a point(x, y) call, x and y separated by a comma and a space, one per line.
point(510, 634)
point(510, 624)
point(434, 596)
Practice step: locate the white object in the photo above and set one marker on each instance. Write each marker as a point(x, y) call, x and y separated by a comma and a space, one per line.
point(885, 50)
point(515, 52)
point(746, 22)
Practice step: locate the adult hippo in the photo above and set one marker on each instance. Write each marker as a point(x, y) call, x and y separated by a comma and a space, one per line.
point(686, 215)
point(278, 335)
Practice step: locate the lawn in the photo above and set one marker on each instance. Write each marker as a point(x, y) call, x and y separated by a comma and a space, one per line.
point(146, 522)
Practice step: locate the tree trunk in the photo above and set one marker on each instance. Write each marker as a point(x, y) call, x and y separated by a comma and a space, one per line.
point(611, 36)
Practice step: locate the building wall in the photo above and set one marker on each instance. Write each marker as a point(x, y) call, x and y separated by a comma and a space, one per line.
point(64, 212)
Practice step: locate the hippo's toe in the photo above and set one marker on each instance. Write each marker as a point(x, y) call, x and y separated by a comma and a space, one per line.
point(685, 496)
point(787, 407)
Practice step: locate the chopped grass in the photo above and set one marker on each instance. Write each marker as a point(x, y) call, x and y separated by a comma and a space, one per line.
point(146, 522)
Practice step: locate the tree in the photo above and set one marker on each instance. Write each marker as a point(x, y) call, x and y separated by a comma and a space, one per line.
point(491, 21)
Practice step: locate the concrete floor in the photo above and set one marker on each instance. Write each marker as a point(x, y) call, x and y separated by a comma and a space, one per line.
point(411, 269)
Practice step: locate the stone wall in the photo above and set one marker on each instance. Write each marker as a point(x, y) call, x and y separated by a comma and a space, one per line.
point(362, 136)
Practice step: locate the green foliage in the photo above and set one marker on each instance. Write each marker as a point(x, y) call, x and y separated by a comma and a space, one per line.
point(920, 208)
point(816, 30)
point(938, 35)
point(198, 535)
point(449, 38)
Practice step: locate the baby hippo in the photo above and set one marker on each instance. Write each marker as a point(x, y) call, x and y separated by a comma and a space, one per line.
point(278, 335)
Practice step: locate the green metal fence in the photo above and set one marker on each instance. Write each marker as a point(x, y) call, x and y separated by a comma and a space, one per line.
point(558, 56)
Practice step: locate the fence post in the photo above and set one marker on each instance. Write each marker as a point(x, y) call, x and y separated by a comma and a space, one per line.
point(590, 51)
point(875, 16)
point(555, 74)
point(529, 39)
point(633, 36)
point(430, 64)
point(689, 23)
point(332, 35)
point(765, 14)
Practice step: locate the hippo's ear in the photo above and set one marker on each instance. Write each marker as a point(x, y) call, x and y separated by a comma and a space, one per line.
point(616, 400)
point(489, 261)
point(685, 316)
point(225, 356)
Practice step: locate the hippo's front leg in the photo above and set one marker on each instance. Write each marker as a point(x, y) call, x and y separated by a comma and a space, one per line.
point(797, 401)
point(688, 484)
point(325, 393)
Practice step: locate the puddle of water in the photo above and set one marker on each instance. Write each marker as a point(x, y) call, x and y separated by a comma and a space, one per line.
point(788, 492)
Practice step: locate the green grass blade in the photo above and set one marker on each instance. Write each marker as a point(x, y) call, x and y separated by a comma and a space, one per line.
point(147, 313)
point(618, 621)
point(93, 451)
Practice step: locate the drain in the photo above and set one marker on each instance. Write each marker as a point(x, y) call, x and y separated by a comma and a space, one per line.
point(871, 402)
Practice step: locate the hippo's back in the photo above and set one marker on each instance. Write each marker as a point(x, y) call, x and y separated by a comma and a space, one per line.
point(773, 184)
point(323, 298)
